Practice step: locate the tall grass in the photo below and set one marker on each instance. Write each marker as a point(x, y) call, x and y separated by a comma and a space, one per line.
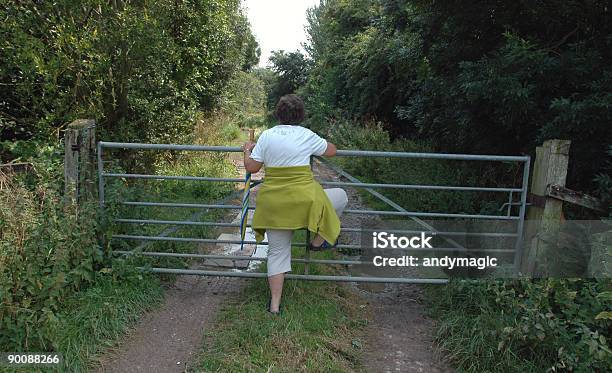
point(47, 252)
point(59, 292)
point(92, 320)
point(525, 325)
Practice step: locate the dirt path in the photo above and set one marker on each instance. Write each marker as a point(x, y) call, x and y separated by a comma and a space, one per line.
point(168, 339)
point(399, 338)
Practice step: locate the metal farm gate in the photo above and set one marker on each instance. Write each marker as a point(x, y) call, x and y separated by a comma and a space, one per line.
point(517, 196)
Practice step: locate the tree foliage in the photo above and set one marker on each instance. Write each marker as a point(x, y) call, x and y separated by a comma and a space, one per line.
point(290, 73)
point(245, 99)
point(141, 68)
point(476, 77)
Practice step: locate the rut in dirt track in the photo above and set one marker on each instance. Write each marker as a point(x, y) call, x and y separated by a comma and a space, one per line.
point(399, 338)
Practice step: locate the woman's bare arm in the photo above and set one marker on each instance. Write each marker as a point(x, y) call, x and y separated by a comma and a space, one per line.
point(250, 164)
point(331, 150)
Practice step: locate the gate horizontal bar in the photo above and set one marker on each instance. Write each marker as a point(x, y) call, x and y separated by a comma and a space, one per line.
point(172, 177)
point(186, 239)
point(298, 244)
point(416, 186)
point(178, 222)
point(342, 153)
point(331, 183)
point(185, 205)
point(365, 212)
point(198, 272)
point(439, 233)
point(143, 146)
point(430, 214)
point(464, 157)
point(343, 229)
point(238, 257)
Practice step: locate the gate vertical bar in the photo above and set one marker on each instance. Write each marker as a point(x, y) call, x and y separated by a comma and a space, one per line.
point(518, 249)
point(307, 253)
point(100, 176)
point(509, 211)
point(307, 256)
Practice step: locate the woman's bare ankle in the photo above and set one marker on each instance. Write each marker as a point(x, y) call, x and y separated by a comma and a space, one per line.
point(275, 307)
point(317, 241)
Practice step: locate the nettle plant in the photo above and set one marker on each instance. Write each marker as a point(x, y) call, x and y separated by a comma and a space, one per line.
point(47, 252)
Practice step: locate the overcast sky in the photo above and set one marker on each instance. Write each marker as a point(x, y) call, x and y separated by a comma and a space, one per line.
point(278, 24)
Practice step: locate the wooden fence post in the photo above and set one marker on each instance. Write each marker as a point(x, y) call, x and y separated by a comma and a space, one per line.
point(545, 213)
point(79, 161)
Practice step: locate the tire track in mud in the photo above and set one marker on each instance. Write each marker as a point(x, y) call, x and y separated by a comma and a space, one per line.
point(399, 338)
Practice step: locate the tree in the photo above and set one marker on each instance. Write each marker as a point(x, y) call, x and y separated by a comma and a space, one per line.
point(142, 69)
point(292, 73)
point(479, 77)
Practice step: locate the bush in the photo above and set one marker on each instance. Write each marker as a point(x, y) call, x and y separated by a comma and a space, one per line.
point(526, 325)
point(47, 252)
point(230, 131)
point(245, 99)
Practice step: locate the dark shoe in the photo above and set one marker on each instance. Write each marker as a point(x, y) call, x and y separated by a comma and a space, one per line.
point(270, 305)
point(324, 246)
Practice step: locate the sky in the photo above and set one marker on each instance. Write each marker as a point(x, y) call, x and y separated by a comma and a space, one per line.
point(278, 24)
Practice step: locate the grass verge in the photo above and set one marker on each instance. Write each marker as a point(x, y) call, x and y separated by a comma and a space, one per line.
point(91, 321)
point(539, 325)
point(320, 329)
point(96, 318)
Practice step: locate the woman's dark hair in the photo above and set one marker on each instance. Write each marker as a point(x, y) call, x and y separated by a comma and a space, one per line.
point(290, 109)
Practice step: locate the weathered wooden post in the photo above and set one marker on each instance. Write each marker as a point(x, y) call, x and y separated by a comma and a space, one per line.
point(79, 161)
point(545, 213)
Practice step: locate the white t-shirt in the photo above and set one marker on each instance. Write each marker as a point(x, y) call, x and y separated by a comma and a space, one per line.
point(286, 145)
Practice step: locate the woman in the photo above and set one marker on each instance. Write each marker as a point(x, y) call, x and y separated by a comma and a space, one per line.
point(290, 198)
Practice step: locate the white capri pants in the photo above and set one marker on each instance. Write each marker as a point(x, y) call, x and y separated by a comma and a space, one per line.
point(279, 240)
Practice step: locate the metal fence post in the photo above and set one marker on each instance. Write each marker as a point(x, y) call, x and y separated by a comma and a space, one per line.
point(518, 255)
point(100, 176)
